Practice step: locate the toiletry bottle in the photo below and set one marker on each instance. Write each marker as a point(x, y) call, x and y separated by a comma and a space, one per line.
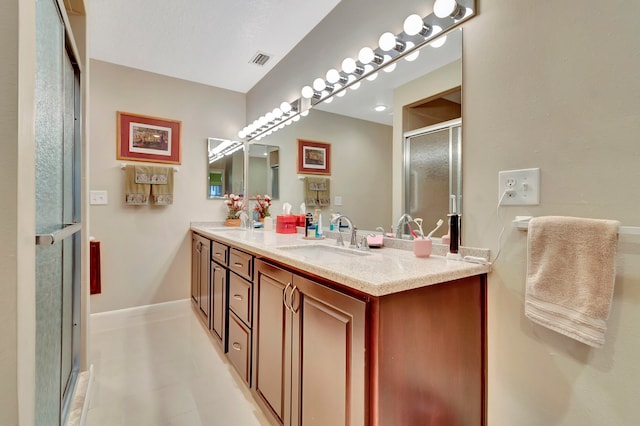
point(319, 226)
point(454, 227)
point(330, 219)
point(307, 224)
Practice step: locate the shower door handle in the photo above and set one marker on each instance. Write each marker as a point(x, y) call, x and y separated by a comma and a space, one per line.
point(59, 235)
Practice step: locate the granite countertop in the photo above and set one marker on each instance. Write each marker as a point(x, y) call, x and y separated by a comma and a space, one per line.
point(377, 272)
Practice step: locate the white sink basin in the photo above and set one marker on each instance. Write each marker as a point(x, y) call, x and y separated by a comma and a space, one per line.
point(324, 252)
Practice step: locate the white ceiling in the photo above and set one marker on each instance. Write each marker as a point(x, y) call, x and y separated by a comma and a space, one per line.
point(205, 41)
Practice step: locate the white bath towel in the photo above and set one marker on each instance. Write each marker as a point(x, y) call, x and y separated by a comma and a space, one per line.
point(570, 275)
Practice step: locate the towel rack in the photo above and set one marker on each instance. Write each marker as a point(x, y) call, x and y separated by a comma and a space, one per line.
point(522, 223)
point(124, 166)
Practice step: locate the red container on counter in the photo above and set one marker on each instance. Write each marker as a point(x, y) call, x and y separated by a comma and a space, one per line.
point(301, 219)
point(286, 224)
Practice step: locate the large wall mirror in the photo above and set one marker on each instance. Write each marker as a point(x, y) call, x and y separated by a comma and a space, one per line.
point(225, 173)
point(367, 145)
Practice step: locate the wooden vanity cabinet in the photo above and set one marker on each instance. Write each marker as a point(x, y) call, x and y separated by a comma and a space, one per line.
point(309, 350)
point(200, 276)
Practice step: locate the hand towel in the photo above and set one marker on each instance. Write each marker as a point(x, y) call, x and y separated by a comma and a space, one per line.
point(316, 192)
point(570, 275)
point(162, 192)
point(135, 194)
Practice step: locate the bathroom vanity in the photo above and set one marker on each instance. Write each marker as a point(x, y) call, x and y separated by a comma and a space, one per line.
point(324, 335)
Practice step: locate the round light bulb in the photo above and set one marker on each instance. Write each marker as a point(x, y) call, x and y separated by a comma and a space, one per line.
point(288, 122)
point(281, 126)
point(262, 121)
point(366, 55)
point(285, 107)
point(269, 116)
point(277, 112)
point(328, 100)
point(445, 8)
point(413, 55)
point(333, 76)
point(391, 67)
point(380, 108)
point(304, 113)
point(439, 42)
point(307, 92)
point(241, 134)
point(355, 86)
point(367, 69)
point(387, 41)
point(337, 87)
point(413, 25)
point(349, 65)
point(296, 117)
point(319, 84)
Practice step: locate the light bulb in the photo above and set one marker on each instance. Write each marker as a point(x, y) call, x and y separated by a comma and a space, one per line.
point(366, 55)
point(337, 87)
point(285, 107)
point(307, 92)
point(328, 100)
point(277, 112)
point(263, 121)
point(349, 65)
point(411, 56)
point(241, 134)
point(380, 108)
point(281, 126)
point(296, 117)
point(367, 69)
point(319, 84)
point(387, 41)
point(288, 122)
point(304, 113)
point(355, 86)
point(440, 41)
point(333, 76)
point(413, 25)
point(446, 8)
point(391, 67)
point(269, 116)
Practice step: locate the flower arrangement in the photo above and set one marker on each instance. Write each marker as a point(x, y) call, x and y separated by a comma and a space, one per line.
point(262, 205)
point(235, 204)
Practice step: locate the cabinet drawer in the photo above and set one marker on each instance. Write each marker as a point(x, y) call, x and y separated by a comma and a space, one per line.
point(241, 263)
point(240, 298)
point(219, 252)
point(239, 350)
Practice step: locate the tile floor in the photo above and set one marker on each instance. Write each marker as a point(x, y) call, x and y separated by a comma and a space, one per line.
point(163, 369)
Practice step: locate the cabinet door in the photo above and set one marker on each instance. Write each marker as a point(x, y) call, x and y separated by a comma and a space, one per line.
point(272, 347)
point(218, 291)
point(195, 269)
point(204, 301)
point(328, 356)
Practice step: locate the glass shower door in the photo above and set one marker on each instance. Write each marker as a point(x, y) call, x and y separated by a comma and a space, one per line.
point(57, 218)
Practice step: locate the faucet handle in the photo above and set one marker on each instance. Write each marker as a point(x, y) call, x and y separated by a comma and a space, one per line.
point(354, 234)
point(364, 243)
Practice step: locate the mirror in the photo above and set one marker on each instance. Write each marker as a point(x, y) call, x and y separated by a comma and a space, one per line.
point(264, 171)
point(367, 178)
point(225, 173)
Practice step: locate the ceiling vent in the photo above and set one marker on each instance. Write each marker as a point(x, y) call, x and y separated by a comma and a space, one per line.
point(260, 58)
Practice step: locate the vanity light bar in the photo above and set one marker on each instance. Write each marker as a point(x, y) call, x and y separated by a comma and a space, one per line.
point(448, 14)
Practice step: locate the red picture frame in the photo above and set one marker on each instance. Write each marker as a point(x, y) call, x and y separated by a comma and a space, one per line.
point(150, 139)
point(314, 157)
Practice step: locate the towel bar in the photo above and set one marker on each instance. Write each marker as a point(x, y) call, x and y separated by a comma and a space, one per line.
point(522, 223)
point(124, 166)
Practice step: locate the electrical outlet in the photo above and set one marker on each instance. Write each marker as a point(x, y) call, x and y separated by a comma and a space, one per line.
point(522, 187)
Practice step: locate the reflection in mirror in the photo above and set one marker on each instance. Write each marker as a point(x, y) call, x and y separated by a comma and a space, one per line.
point(366, 146)
point(264, 171)
point(225, 174)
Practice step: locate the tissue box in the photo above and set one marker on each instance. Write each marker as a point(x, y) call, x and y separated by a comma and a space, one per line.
point(286, 224)
point(301, 220)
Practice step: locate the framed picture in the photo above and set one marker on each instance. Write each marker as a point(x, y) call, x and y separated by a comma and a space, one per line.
point(145, 138)
point(314, 157)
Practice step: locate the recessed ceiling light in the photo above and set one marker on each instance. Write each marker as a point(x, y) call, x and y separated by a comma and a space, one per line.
point(380, 108)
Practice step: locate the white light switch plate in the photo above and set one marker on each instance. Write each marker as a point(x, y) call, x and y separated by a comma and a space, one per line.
point(98, 197)
point(338, 200)
point(523, 187)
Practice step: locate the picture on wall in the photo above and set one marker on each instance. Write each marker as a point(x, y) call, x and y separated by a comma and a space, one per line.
point(314, 157)
point(145, 138)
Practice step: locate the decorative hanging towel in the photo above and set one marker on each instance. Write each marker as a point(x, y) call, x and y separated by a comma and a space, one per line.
point(317, 192)
point(135, 194)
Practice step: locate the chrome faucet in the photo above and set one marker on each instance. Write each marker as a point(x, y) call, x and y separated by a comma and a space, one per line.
point(339, 241)
point(404, 220)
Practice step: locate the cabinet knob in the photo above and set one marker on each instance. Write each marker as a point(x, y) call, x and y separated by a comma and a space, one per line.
point(237, 346)
point(237, 296)
point(238, 265)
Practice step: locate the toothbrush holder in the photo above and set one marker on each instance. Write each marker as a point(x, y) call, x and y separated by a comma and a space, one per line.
point(422, 247)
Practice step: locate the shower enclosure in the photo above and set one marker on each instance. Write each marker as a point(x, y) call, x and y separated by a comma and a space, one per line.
point(58, 244)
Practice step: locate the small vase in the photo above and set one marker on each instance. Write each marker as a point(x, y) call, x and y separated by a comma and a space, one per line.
point(232, 222)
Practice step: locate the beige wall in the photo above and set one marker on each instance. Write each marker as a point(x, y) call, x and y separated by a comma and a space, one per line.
point(556, 87)
point(146, 249)
point(360, 164)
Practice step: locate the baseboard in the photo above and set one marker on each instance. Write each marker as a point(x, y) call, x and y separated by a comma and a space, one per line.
point(138, 315)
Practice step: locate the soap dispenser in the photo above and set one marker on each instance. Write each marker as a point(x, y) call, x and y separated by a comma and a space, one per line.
point(454, 231)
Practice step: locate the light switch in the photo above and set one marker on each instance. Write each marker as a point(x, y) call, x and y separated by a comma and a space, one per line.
point(338, 200)
point(98, 197)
